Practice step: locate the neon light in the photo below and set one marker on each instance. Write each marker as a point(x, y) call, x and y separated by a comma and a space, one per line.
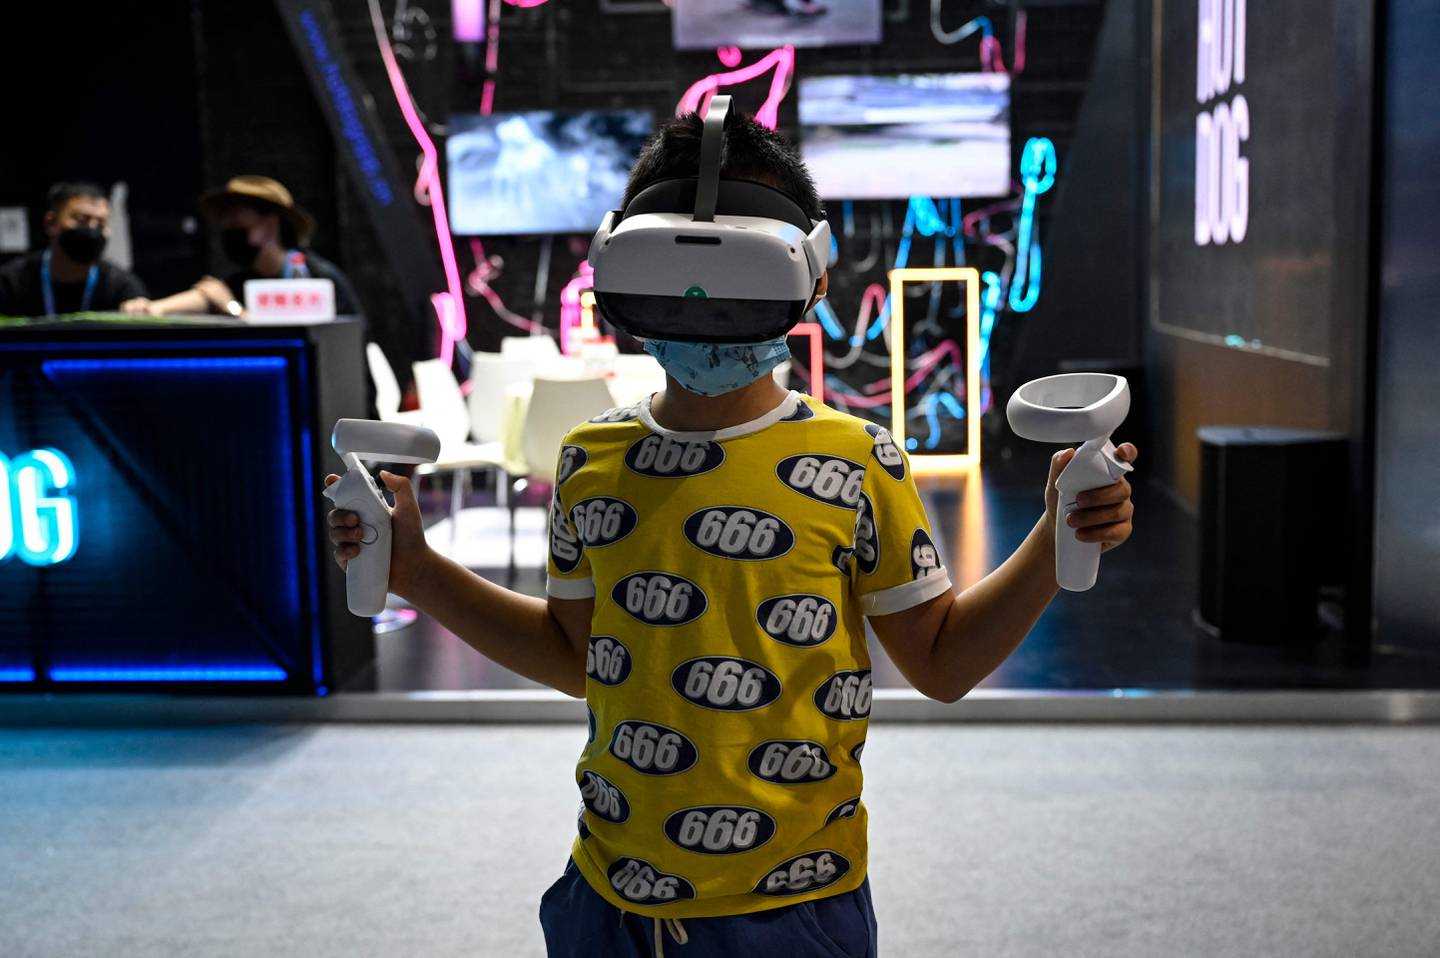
point(526, 4)
point(47, 522)
point(34, 501)
point(163, 365)
point(572, 306)
point(587, 316)
point(937, 464)
point(451, 314)
point(817, 356)
point(1021, 23)
point(1037, 172)
point(17, 675)
point(197, 673)
point(932, 416)
point(478, 282)
point(352, 127)
point(782, 59)
point(730, 56)
point(469, 19)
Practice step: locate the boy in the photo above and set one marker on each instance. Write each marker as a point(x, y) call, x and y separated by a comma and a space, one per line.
point(713, 551)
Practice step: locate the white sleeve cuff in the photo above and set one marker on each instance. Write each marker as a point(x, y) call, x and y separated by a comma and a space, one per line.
point(906, 596)
point(570, 588)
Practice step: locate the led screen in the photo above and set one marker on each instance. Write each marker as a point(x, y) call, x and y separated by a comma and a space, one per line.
point(698, 24)
point(890, 137)
point(539, 172)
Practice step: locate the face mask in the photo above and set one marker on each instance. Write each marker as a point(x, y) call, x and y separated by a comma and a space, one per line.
point(237, 247)
point(82, 245)
point(711, 369)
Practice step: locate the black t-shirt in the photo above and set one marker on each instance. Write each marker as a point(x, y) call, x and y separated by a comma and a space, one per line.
point(346, 302)
point(22, 294)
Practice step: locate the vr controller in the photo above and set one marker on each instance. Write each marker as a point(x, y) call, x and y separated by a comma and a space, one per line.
point(1084, 408)
point(367, 576)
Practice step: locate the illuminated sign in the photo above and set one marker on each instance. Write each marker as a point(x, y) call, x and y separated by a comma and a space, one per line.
point(1222, 175)
point(37, 516)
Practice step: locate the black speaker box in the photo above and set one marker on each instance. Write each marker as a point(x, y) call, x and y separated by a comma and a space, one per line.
point(1273, 510)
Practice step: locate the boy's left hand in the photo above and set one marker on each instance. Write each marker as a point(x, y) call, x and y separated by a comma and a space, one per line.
point(1103, 514)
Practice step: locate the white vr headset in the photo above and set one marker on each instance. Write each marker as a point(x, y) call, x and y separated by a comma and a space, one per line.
point(708, 260)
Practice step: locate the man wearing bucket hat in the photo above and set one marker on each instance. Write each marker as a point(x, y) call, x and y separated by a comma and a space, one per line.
point(265, 234)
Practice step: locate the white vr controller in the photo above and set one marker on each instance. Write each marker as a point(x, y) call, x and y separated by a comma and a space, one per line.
point(1084, 408)
point(367, 576)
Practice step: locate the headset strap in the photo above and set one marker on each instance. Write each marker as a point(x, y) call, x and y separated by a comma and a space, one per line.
point(712, 137)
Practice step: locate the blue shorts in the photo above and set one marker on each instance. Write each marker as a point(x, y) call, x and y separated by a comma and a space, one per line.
point(578, 923)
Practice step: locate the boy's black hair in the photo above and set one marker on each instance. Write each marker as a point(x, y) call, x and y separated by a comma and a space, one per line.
point(63, 192)
point(751, 152)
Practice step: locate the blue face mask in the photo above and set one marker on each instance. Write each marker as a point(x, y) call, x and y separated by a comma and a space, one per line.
point(712, 369)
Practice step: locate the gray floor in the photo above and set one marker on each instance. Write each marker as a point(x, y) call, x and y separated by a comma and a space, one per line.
point(986, 840)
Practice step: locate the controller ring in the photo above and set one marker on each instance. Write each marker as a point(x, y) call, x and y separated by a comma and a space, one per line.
point(374, 534)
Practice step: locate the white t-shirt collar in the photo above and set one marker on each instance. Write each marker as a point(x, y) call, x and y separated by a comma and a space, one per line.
point(781, 410)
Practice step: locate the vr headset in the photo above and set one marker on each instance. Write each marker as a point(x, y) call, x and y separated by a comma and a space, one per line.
point(708, 260)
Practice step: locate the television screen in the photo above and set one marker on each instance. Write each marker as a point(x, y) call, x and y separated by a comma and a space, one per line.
point(701, 24)
point(889, 137)
point(539, 172)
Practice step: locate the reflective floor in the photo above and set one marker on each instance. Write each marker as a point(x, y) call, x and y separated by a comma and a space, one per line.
point(1133, 630)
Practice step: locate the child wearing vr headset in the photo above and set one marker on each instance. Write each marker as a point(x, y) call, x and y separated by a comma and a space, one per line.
point(714, 554)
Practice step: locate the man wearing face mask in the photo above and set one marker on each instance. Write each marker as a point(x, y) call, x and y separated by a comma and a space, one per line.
point(68, 276)
point(264, 234)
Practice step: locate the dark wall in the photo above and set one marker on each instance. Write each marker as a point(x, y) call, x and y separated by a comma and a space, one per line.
point(1090, 305)
point(1407, 532)
point(1314, 172)
point(108, 97)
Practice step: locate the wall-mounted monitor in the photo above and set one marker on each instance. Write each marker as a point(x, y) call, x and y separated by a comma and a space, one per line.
point(701, 24)
point(539, 172)
point(890, 137)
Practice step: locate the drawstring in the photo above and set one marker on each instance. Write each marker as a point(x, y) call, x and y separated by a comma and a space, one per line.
point(677, 931)
point(673, 925)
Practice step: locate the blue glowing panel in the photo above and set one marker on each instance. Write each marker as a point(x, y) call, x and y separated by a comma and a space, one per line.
point(191, 556)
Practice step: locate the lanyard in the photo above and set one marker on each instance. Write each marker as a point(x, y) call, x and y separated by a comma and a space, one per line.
point(92, 279)
point(295, 267)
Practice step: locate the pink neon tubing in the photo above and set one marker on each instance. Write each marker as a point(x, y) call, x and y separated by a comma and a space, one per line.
point(451, 319)
point(570, 308)
point(697, 97)
point(1021, 20)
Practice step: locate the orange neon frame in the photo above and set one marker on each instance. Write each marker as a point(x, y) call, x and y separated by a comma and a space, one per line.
point(923, 464)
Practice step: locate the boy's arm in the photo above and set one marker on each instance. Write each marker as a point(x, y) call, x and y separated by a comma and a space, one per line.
point(947, 645)
point(944, 647)
point(542, 640)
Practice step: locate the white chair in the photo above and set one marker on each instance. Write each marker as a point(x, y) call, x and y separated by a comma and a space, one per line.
point(491, 376)
point(443, 409)
point(556, 406)
point(637, 375)
point(387, 388)
point(538, 349)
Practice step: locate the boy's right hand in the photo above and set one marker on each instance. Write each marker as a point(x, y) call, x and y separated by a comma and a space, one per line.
point(408, 548)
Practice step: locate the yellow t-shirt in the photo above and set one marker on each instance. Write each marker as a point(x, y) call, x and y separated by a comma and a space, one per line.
point(728, 678)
